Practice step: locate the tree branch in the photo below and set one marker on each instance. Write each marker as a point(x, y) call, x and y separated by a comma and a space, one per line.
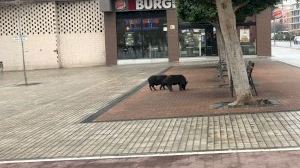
point(213, 23)
point(241, 5)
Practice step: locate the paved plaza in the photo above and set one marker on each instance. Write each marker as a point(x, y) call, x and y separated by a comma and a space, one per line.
point(45, 120)
point(285, 44)
point(205, 91)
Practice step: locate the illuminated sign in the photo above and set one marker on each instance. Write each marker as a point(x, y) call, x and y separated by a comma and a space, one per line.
point(137, 5)
point(277, 13)
point(120, 4)
point(154, 4)
point(244, 35)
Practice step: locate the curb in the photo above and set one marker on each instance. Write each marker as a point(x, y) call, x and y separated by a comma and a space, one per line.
point(112, 103)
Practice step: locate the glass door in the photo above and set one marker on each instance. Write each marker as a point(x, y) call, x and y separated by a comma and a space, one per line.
point(197, 39)
point(154, 38)
point(142, 35)
point(192, 43)
point(129, 38)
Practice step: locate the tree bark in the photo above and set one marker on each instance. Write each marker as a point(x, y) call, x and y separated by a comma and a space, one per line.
point(227, 20)
point(222, 50)
point(220, 42)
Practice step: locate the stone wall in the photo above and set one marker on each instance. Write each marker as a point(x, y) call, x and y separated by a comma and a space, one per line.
point(56, 34)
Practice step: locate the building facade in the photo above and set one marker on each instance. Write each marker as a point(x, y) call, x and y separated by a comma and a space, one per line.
point(289, 16)
point(294, 16)
point(72, 33)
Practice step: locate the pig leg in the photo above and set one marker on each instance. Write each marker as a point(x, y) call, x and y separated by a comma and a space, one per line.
point(150, 87)
point(170, 88)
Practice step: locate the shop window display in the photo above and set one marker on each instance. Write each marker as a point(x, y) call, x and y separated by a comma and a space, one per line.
point(196, 42)
point(247, 39)
point(142, 35)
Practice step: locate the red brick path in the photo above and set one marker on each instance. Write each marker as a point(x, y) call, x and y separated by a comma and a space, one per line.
point(274, 80)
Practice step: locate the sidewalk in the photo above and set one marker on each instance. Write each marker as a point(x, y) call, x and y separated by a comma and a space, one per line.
point(273, 80)
point(285, 44)
point(38, 119)
point(287, 55)
point(44, 121)
point(234, 160)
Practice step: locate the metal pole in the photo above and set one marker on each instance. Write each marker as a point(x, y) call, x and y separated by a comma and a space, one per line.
point(59, 60)
point(200, 43)
point(290, 39)
point(274, 27)
point(22, 43)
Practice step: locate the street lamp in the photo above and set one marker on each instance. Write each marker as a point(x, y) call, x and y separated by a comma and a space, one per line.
point(274, 34)
point(21, 37)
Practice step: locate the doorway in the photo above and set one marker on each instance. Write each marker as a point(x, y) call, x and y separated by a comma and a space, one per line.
point(142, 35)
point(197, 39)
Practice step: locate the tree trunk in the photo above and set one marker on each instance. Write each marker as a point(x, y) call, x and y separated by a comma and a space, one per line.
point(237, 66)
point(220, 42)
point(222, 49)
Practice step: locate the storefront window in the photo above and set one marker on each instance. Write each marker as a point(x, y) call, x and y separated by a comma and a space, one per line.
point(192, 42)
point(142, 35)
point(197, 40)
point(248, 39)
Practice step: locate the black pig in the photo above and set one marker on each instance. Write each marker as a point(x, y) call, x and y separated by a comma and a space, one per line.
point(155, 80)
point(179, 80)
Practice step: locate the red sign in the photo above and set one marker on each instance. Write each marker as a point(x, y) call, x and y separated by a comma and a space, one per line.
point(120, 4)
point(135, 5)
point(277, 13)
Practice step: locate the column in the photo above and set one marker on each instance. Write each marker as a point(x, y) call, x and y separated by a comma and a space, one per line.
point(173, 39)
point(263, 33)
point(111, 47)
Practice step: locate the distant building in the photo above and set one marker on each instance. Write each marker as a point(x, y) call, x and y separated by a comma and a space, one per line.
point(80, 33)
point(291, 15)
point(295, 18)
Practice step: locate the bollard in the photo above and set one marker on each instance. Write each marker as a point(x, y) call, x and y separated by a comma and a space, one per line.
point(1, 66)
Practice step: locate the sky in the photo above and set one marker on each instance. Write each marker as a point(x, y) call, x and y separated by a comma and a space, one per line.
point(287, 2)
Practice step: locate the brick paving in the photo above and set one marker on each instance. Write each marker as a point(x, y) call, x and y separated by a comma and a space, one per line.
point(274, 80)
point(43, 121)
